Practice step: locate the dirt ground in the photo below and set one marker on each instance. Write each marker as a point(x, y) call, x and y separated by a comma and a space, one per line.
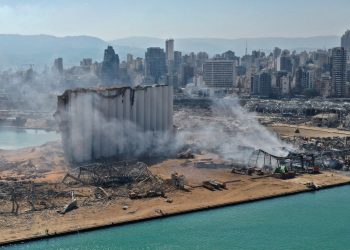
point(286, 130)
point(45, 165)
point(239, 188)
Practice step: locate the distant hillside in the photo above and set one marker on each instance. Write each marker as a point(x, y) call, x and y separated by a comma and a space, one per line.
point(214, 46)
point(140, 42)
point(20, 50)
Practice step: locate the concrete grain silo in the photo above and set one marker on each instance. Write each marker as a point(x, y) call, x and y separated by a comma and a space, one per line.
point(113, 122)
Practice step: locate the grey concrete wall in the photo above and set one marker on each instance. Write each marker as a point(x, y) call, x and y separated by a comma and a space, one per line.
point(103, 123)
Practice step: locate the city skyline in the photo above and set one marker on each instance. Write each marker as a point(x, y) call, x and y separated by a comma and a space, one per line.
point(229, 19)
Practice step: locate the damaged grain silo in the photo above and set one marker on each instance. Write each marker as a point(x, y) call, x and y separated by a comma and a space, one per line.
point(114, 122)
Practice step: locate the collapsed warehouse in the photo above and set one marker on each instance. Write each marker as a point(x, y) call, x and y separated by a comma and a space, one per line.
point(310, 155)
point(323, 113)
point(112, 122)
point(328, 152)
point(280, 166)
point(90, 183)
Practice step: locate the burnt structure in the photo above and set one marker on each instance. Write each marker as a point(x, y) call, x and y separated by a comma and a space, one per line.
point(113, 122)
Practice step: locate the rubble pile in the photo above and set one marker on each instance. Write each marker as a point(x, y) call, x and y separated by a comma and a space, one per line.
point(84, 185)
point(299, 111)
point(300, 107)
point(328, 152)
point(27, 196)
point(109, 174)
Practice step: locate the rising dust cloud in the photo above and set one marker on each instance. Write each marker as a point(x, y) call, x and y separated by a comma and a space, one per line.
point(230, 131)
point(227, 129)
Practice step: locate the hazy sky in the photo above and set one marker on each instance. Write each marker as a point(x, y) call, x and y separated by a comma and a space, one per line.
point(110, 19)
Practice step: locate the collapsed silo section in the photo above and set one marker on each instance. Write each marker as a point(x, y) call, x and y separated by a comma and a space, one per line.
point(114, 122)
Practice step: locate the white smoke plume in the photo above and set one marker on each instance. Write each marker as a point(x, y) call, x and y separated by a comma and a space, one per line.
point(37, 91)
point(230, 131)
point(128, 140)
point(227, 130)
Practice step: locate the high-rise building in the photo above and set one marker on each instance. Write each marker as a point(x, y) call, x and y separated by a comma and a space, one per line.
point(219, 73)
point(138, 64)
point(308, 79)
point(58, 65)
point(326, 85)
point(230, 55)
point(285, 85)
point(187, 73)
point(201, 58)
point(254, 90)
point(86, 64)
point(246, 61)
point(169, 49)
point(110, 67)
point(297, 81)
point(257, 54)
point(155, 66)
point(338, 72)
point(345, 42)
point(279, 75)
point(321, 58)
point(265, 83)
point(241, 70)
point(261, 84)
point(190, 59)
point(177, 60)
point(286, 63)
point(276, 52)
point(303, 58)
point(275, 55)
point(129, 59)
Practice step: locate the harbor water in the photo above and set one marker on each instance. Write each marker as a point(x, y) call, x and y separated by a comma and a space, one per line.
point(15, 138)
point(316, 220)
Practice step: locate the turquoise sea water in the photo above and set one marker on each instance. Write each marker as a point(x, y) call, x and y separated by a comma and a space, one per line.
point(319, 220)
point(14, 138)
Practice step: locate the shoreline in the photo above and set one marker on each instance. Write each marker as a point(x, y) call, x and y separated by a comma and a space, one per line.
point(170, 214)
point(29, 127)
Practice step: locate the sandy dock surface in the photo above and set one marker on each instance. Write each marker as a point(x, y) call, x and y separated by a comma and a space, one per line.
point(286, 130)
point(240, 188)
point(45, 165)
